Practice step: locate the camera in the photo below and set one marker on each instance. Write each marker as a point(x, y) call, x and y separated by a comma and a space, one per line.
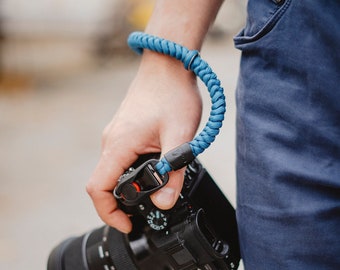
point(199, 232)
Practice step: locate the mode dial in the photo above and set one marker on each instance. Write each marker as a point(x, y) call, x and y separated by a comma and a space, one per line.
point(157, 220)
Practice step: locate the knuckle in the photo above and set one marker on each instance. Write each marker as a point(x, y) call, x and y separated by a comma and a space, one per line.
point(90, 188)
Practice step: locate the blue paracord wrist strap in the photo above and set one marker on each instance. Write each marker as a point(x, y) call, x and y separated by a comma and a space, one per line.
point(184, 154)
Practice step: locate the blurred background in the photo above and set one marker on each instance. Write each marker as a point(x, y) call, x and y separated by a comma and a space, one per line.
point(64, 69)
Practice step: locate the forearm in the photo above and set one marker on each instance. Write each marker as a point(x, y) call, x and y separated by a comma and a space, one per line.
point(183, 21)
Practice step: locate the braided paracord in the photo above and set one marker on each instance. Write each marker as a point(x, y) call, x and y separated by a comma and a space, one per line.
point(184, 154)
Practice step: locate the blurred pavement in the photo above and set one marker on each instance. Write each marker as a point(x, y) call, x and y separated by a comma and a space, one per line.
point(50, 142)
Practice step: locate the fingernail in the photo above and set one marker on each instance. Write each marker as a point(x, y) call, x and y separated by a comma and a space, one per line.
point(164, 197)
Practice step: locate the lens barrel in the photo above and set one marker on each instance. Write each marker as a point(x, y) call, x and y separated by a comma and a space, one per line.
point(67, 255)
point(103, 248)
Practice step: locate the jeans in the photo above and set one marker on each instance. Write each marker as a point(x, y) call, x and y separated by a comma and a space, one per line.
point(288, 135)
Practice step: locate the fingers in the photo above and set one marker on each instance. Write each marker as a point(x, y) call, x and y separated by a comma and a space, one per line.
point(106, 207)
point(143, 126)
point(101, 185)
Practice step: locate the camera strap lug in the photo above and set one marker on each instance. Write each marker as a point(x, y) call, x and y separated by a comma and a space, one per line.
point(136, 183)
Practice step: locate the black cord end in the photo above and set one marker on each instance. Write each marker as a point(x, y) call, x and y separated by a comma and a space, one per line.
point(180, 156)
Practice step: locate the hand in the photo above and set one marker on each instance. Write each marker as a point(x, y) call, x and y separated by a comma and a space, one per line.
point(161, 110)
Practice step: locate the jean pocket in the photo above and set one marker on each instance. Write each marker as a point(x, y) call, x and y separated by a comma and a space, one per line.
point(262, 17)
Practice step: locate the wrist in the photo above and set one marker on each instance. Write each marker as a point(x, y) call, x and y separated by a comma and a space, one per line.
point(154, 62)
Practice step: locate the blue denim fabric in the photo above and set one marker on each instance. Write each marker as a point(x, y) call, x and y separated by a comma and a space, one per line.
point(288, 135)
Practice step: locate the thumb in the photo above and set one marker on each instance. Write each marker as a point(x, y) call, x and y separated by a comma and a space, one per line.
point(166, 197)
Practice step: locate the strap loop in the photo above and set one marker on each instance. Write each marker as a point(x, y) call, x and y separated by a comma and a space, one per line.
point(192, 61)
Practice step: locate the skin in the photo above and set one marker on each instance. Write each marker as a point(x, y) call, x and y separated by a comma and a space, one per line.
point(161, 110)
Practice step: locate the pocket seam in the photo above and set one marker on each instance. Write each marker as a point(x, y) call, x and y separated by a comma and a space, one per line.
point(240, 39)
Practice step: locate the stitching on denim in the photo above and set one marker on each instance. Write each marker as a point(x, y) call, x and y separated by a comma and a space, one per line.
point(267, 27)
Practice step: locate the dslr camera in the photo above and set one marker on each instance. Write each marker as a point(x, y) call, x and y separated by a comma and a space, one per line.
point(199, 232)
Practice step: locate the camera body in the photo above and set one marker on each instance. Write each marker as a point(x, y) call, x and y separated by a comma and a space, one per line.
point(199, 232)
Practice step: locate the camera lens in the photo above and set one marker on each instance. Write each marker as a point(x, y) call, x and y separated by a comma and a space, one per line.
point(103, 248)
point(67, 255)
